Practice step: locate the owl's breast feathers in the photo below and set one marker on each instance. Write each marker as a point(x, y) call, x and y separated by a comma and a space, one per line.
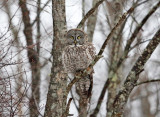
point(77, 58)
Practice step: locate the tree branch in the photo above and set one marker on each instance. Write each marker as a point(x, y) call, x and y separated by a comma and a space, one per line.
point(76, 79)
point(110, 35)
point(32, 54)
point(100, 99)
point(66, 114)
point(148, 81)
point(40, 10)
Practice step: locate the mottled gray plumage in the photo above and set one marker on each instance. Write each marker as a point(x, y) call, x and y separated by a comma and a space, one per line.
point(77, 56)
point(79, 53)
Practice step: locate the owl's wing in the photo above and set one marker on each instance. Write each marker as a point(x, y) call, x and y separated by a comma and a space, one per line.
point(91, 49)
point(67, 60)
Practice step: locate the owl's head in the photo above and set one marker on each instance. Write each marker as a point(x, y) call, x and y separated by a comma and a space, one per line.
point(75, 37)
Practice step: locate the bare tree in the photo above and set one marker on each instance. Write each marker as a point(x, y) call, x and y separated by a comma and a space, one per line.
point(127, 50)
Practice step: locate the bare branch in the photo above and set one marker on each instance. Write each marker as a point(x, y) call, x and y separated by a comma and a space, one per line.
point(100, 99)
point(76, 79)
point(66, 114)
point(38, 13)
point(148, 81)
point(139, 43)
point(32, 54)
point(89, 13)
point(121, 20)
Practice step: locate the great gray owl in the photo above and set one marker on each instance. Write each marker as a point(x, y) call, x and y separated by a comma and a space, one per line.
point(77, 55)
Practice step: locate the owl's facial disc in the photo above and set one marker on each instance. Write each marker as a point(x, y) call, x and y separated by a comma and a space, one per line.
point(75, 37)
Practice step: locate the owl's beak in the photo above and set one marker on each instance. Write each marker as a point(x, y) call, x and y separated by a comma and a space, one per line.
point(75, 42)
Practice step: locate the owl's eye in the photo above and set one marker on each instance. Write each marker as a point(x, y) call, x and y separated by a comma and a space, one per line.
point(78, 37)
point(72, 37)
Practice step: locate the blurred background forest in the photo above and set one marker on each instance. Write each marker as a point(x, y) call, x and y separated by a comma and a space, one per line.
point(26, 37)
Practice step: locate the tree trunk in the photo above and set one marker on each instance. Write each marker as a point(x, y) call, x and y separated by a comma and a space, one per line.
point(33, 60)
point(56, 97)
point(91, 24)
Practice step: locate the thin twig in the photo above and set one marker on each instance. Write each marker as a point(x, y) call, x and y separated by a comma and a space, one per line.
point(139, 43)
point(74, 101)
point(67, 109)
point(100, 99)
point(71, 84)
point(89, 13)
point(148, 81)
point(40, 12)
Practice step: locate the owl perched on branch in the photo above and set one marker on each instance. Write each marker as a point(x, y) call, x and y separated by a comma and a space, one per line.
point(77, 55)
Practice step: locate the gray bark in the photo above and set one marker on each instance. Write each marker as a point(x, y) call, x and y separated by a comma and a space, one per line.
point(56, 97)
